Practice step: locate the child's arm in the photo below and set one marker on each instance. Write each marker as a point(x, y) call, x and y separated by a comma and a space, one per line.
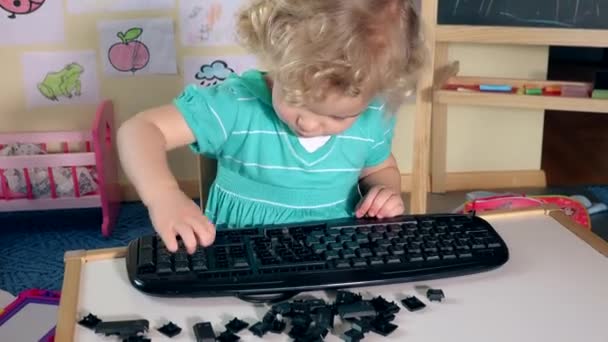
point(381, 189)
point(143, 142)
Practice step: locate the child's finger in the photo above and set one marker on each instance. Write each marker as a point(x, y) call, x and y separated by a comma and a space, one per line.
point(210, 237)
point(187, 234)
point(203, 230)
point(367, 201)
point(392, 208)
point(379, 202)
point(168, 237)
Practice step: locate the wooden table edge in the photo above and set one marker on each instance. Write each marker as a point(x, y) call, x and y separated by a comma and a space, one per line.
point(592, 239)
point(70, 289)
point(75, 259)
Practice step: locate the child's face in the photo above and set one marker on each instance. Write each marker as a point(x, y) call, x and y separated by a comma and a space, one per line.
point(332, 116)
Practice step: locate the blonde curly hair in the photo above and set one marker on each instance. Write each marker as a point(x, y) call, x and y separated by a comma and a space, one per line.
point(355, 47)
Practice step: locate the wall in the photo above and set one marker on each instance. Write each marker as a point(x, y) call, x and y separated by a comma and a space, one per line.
point(479, 138)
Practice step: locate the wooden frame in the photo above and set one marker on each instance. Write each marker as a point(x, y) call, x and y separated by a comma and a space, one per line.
point(520, 35)
point(430, 144)
point(74, 261)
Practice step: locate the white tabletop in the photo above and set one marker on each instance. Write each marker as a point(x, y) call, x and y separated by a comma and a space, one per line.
point(553, 288)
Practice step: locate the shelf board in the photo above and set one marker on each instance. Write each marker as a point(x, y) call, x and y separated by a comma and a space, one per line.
point(521, 35)
point(586, 105)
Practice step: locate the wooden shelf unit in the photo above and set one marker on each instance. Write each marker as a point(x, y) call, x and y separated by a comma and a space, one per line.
point(513, 100)
point(521, 101)
point(520, 35)
point(430, 120)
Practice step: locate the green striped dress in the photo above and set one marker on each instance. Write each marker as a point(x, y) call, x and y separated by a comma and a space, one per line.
point(266, 175)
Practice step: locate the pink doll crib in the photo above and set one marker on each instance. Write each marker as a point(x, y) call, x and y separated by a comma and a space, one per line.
point(63, 169)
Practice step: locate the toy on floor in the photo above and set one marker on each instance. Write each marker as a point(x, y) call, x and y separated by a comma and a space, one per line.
point(32, 316)
point(483, 201)
point(63, 169)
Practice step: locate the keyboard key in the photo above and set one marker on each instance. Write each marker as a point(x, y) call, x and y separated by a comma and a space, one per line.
point(329, 255)
point(379, 229)
point(363, 230)
point(240, 262)
point(375, 236)
point(392, 259)
point(414, 250)
point(364, 252)
point(348, 231)
point(333, 231)
point(380, 251)
point(164, 268)
point(432, 256)
point(391, 235)
point(145, 262)
point(358, 262)
point(376, 261)
point(396, 250)
point(199, 265)
point(394, 228)
point(351, 245)
point(347, 253)
point(146, 242)
point(360, 238)
point(384, 242)
point(416, 257)
point(311, 240)
point(335, 246)
point(182, 267)
point(319, 248)
point(341, 263)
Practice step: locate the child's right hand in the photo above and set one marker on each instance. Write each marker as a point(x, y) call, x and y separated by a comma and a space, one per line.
point(174, 214)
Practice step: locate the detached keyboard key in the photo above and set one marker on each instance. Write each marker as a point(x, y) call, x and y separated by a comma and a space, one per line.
point(203, 331)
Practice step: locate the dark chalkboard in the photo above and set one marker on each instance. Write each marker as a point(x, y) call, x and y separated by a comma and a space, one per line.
point(584, 14)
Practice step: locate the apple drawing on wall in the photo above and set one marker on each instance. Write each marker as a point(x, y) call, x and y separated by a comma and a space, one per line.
point(129, 54)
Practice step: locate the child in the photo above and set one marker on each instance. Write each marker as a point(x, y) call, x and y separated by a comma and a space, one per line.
point(310, 139)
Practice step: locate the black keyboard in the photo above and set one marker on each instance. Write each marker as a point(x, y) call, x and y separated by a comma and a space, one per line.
point(335, 254)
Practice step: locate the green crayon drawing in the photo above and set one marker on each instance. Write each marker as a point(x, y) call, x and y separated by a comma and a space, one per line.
point(65, 82)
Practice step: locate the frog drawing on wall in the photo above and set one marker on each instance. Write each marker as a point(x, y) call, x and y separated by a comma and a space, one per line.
point(62, 83)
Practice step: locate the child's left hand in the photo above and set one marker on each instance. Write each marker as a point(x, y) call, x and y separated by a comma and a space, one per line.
point(381, 202)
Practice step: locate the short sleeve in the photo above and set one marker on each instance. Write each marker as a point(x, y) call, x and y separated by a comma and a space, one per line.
point(383, 140)
point(211, 113)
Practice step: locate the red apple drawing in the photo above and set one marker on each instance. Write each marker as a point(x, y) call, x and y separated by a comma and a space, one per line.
point(130, 54)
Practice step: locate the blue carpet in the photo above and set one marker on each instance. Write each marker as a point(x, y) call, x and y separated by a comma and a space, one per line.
point(601, 192)
point(32, 244)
